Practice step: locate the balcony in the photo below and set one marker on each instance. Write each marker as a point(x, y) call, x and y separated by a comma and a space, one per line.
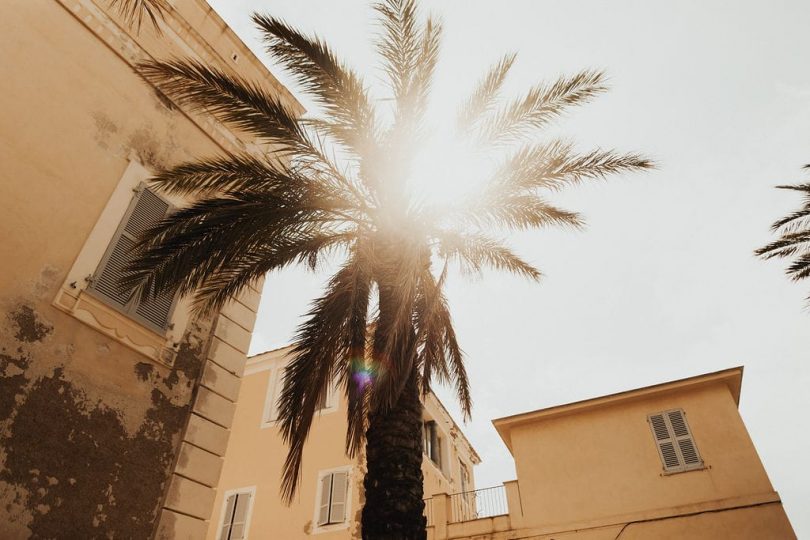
point(483, 511)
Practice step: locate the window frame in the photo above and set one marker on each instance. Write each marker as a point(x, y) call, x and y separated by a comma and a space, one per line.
point(248, 517)
point(273, 391)
point(428, 446)
point(76, 298)
point(345, 524)
point(130, 308)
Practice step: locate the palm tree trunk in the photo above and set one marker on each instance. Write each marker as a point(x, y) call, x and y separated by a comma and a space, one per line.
point(394, 507)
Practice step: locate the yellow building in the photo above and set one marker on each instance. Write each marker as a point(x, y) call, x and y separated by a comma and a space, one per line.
point(667, 461)
point(329, 500)
point(114, 415)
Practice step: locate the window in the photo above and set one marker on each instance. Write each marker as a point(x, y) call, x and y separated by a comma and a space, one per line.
point(333, 497)
point(464, 474)
point(275, 382)
point(236, 514)
point(432, 442)
point(676, 447)
point(145, 210)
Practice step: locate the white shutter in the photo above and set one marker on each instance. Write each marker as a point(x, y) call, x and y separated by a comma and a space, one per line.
point(270, 412)
point(326, 496)
point(340, 490)
point(676, 447)
point(227, 518)
point(240, 513)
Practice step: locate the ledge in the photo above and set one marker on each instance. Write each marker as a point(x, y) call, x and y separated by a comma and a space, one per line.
point(115, 325)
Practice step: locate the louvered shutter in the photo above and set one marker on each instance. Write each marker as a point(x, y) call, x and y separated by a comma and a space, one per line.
point(240, 513)
point(227, 519)
point(146, 210)
point(676, 446)
point(340, 490)
point(326, 495)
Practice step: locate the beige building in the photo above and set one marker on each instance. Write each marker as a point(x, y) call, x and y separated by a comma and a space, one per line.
point(668, 461)
point(113, 415)
point(329, 500)
point(116, 417)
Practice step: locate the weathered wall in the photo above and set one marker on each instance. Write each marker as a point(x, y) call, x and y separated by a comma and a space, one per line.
point(89, 428)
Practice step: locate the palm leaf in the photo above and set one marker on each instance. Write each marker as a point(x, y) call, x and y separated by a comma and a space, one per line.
point(133, 11)
point(325, 343)
point(337, 88)
point(541, 105)
point(475, 251)
point(485, 94)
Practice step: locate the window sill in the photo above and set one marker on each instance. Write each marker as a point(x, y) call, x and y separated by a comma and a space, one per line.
point(702, 467)
point(112, 323)
point(319, 529)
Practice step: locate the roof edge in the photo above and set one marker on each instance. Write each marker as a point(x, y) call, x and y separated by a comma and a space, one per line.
point(732, 377)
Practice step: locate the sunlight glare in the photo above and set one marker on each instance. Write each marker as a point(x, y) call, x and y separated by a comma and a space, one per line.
point(447, 169)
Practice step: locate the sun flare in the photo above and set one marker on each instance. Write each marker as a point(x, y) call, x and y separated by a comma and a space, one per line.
point(447, 168)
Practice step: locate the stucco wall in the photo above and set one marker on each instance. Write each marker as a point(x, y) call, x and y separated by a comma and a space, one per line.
point(604, 462)
point(89, 427)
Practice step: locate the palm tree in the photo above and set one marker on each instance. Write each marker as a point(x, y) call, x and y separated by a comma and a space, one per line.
point(794, 237)
point(338, 185)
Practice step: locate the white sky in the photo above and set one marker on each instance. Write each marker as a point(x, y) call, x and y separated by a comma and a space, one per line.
point(662, 284)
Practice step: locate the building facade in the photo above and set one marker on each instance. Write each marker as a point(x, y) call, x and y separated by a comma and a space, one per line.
point(114, 415)
point(330, 495)
point(667, 461)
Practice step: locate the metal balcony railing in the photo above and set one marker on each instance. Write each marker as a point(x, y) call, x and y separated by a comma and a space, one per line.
point(481, 503)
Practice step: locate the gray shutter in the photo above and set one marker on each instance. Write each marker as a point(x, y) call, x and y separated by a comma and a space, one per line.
point(683, 437)
point(146, 210)
point(326, 496)
point(676, 447)
point(227, 519)
point(340, 491)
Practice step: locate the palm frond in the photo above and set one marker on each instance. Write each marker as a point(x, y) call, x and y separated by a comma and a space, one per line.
point(794, 237)
point(133, 11)
point(541, 105)
point(439, 354)
point(513, 211)
point(555, 165)
point(234, 100)
point(399, 43)
point(486, 92)
point(338, 89)
point(410, 55)
point(330, 337)
point(475, 251)
point(786, 246)
point(207, 241)
point(224, 173)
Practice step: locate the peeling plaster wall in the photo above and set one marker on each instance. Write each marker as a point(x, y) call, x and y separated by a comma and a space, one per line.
point(89, 428)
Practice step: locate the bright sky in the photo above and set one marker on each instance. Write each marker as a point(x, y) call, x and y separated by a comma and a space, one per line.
point(662, 284)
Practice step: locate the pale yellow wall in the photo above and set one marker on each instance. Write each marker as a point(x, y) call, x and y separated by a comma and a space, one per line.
point(604, 462)
point(255, 456)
